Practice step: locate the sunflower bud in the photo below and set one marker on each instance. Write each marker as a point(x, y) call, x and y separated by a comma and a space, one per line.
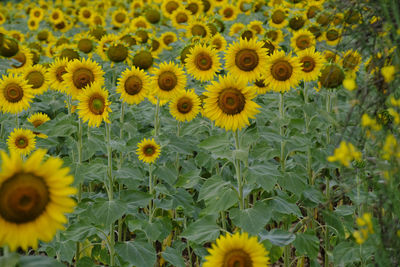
point(332, 76)
point(8, 47)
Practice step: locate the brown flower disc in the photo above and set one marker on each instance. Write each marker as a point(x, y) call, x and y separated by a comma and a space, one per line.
point(167, 81)
point(231, 101)
point(97, 104)
point(308, 63)
point(117, 53)
point(303, 42)
point(281, 70)
point(85, 45)
point(13, 93)
point(133, 85)
point(237, 258)
point(184, 105)
point(203, 61)
point(278, 16)
point(246, 59)
point(82, 77)
point(36, 79)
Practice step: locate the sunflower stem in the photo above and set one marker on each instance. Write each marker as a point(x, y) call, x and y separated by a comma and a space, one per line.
point(328, 110)
point(151, 193)
point(121, 131)
point(69, 104)
point(326, 236)
point(282, 130)
point(109, 161)
point(178, 132)
point(5, 251)
point(79, 194)
point(16, 121)
point(238, 173)
point(157, 118)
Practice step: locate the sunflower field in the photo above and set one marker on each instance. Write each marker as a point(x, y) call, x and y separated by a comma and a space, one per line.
point(200, 133)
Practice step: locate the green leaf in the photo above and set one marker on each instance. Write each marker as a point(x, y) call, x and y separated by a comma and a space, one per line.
point(173, 256)
point(135, 199)
point(107, 212)
point(307, 245)
point(202, 230)
point(345, 253)
point(168, 175)
point(85, 262)
point(9, 261)
point(252, 220)
point(42, 261)
point(281, 205)
point(265, 174)
point(332, 220)
point(293, 182)
point(212, 187)
point(226, 199)
point(137, 253)
point(216, 142)
point(278, 237)
point(189, 179)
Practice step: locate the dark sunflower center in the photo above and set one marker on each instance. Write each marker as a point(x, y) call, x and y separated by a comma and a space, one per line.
point(206, 5)
point(21, 58)
point(350, 61)
point(23, 198)
point(199, 30)
point(217, 43)
point(303, 42)
point(184, 105)
point(193, 7)
point(82, 77)
point(246, 59)
point(32, 23)
point(281, 70)
point(181, 18)
point(60, 71)
point(312, 11)
point(155, 45)
point(128, 39)
point(167, 81)
point(315, 30)
point(96, 104)
point(86, 14)
point(36, 79)
point(171, 6)
point(13, 93)
point(308, 63)
point(273, 35)
point(332, 35)
point(37, 14)
point(296, 23)
point(228, 12)
point(278, 16)
point(85, 45)
point(120, 17)
point(21, 142)
point(247, 34)
point(133, 85)
point(143, 60)
point(331, 76)
point(168, 39)
point(55, 16)
point(69, 53)
point(269, 46)
point(237, 258)
point(231, 101)
point(37, 123)
point(260, 83)
point(203, 61)
point(149, 150)
point(117, 53)
point(323, 19)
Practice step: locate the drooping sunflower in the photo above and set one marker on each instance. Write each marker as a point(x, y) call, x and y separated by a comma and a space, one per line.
point(93, 104)
point(34, 195)
point(312, 62)
point(118, 52)
point(202, 62)
point(260, 86)
point(15, 94)
point(302, 39)
point(332, 76)
point(143, 59)
point(38, 119)
point(351, 60)
point(276, 36)
point(81, 73)
point(270, 46)
point(237, 250)
point(218, 42)
point(332, 36)
point(148, 150)
point(246, 59)
point(229, 103)
point(36, 77)
point(278, 17)
point(21, 141)
point(168, 38)
point(185, 106)
point(168, 80)
point(55, 73)
point(296, 21)
point(133, 85)
point(236, 28)
point(282, 71)
point(195, 7)
point(24, 59)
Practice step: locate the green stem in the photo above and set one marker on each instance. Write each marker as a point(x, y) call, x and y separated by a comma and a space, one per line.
point(282, 130)
point(79, 194)
point(112, 244)
point(223, 220)
point(121, 159)
point(5, 251)
point(307, 125)
point(69, 105)
point(238, 173)
point(287, 249)
point(326, 237)
point(157, 118)
point(328, 110)
point(109, 161)
point(151, 206)
point(178, 132)
point(16, 121)
point(187, 244)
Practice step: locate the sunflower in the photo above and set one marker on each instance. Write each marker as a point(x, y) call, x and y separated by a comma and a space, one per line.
point(278, 17)
point(34, 195)
point(168, 38)
point(85, 42)
point(236, 28)
point(351, 60)
point(256, 26)
point(143, 59)
point(312, 62)
point(36, 77)
point(296, 21)
point(55, 73)
point(202, 62)
point(229, 12)
point(237, 250)
point(119, 17)
point(85, 15)
point(142, 35)
point(283, 71)
point(133, 85)
point(94, 105)
point(302, 39)
point(97, 20)
point(15, 94)
point(332, 76)
point(229, 103)
point(332, 36)
point(79, 74)
point(198, 28)
point(152, 14)
point(260, 86)
point(24, 60)
point(21, 141)
point(218, 42)
point(168, 80)
point(195, 7)
point(56, 16)
point(118, 52)
point(245, 6)
point(103, 45)
point(181, 18)
point(38, 119)
point(154, 100)
point(148, 150)
point(67, 51)
point(313, 8)
point(36, 13)
point(169, 6)
point(185, 106)
point(246, 59)
point(17, 35)
point(139, 22)
point(276, 36)
point(156, 46)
